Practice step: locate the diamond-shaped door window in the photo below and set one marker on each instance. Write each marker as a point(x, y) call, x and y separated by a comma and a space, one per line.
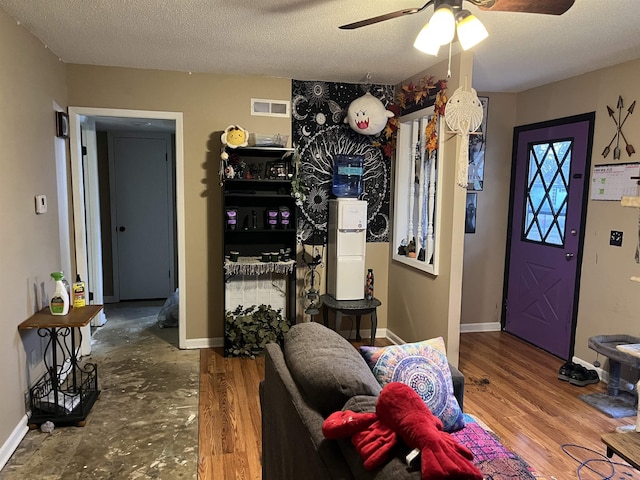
point(547, 192)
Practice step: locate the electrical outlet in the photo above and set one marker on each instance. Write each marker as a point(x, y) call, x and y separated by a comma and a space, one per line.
point(616, 238)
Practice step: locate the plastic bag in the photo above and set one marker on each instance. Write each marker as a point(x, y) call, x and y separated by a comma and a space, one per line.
point(168, 315)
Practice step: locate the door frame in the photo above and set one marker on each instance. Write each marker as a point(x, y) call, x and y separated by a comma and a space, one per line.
point(588, 117)
point(81, 217)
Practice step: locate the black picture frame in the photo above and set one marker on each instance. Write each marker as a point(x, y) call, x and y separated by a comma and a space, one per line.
point(477, 147)
point(470, 216)
point(62, 125)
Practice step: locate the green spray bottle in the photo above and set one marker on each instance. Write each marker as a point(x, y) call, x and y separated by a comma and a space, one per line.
point(59, 304)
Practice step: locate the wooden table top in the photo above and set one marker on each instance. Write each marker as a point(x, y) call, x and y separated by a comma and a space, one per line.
point(77, 317)
point(625, 444)
point(361, 304)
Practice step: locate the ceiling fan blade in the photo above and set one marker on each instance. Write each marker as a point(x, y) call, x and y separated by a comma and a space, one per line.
point(386, 16)
point(548, 7)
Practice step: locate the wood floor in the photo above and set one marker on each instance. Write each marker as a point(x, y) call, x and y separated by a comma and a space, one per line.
point(510, 385)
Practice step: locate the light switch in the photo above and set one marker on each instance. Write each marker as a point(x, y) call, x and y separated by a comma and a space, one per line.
point(41, 204)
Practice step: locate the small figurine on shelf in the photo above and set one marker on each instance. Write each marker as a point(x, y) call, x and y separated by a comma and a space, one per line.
point(411, 248)
point(368, 289)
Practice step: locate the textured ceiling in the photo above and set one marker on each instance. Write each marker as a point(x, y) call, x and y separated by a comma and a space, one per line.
point(300, 39)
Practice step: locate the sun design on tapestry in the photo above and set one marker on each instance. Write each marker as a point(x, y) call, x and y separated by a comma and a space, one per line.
point(318, 198)
point(317, 93)
point(318, 171)
point(318, 110)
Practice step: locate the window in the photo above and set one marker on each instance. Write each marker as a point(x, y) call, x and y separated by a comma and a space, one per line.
point(547, 192)
point(270, 108)
point(416, 205)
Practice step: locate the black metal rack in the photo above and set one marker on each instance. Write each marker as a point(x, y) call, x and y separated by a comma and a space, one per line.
point(67, 390)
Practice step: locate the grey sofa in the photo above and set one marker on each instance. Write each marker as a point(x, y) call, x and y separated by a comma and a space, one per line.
point(319, 372)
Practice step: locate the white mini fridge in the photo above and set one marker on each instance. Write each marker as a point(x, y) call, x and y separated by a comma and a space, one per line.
point(347, 240)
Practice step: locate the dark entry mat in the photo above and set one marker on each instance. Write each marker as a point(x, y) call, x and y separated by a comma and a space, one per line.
point(624, 405)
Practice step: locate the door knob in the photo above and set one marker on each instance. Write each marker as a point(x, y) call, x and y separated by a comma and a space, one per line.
point(568, 256)
point(122, 229)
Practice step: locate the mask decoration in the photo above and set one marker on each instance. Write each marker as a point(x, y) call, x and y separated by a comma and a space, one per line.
point(367, 115)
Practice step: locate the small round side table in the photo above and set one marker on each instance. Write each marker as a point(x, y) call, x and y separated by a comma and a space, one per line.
point(355, 308)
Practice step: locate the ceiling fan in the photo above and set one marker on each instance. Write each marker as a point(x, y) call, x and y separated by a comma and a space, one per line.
point(548, 7)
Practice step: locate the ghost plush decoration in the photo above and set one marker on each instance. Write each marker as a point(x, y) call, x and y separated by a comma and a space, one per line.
point(235, 136)
point(367, 115)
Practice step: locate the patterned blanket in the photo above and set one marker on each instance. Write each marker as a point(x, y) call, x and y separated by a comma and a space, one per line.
point(492, 458)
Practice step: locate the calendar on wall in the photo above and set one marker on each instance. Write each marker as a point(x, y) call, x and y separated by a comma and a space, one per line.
point(614, 181)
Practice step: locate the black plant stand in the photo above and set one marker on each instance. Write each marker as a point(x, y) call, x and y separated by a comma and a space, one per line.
point(68, 389)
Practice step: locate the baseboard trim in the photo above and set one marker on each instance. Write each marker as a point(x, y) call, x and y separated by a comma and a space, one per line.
point(480, 327)
point(195, 343)
point(395, 339)
point(12, 443)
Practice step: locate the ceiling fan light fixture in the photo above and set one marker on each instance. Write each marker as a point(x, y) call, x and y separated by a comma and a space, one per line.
point(426, 41)
point(470, 30)
point(442, 25)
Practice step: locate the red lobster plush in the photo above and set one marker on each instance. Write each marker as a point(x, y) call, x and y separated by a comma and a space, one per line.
point(401, 412)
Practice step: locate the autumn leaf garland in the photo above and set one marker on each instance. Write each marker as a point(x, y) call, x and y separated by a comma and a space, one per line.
point(413, 95)
point(409, 97)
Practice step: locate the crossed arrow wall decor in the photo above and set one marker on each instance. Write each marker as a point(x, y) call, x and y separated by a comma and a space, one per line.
point(619, 123)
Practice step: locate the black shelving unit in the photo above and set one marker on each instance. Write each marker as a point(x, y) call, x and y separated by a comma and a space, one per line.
point(268, 189)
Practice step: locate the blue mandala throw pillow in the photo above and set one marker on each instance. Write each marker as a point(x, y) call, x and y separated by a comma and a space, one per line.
point(424, 367)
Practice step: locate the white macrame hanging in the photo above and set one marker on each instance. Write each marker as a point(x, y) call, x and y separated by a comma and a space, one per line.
point(463, 115)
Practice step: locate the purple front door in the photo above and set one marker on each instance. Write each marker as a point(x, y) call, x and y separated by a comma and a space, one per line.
point(546, 231)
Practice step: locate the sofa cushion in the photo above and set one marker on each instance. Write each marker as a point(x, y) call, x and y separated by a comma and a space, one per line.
point(326, 367)
point(361, 404)
point(424, 367)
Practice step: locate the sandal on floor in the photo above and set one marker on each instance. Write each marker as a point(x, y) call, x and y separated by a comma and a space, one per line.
point(564, 373)
point(580, 376)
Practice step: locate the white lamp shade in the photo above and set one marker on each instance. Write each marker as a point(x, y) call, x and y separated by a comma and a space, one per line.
point(426, 41)
point(470, 30)
point(442, 25)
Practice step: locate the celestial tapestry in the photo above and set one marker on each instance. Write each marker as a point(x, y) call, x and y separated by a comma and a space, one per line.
point(318, 111)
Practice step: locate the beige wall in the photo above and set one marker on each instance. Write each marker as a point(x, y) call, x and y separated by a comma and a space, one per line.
point(423, 306)
point(209, 104)
point(31, 80)
point(484, 251)
point(609, 301)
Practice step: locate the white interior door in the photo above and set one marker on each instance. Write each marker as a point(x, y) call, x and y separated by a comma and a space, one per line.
point(142, 215)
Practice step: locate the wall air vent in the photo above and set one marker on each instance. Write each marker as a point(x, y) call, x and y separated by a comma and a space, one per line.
point(270, 108)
